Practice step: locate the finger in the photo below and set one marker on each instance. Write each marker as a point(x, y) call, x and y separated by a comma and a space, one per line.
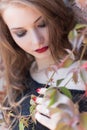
point(39, 100)
point(41, 90)
point(43, 109)
point(43, 120)
point(50, 123)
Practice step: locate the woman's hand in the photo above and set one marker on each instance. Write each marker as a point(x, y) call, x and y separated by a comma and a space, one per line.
point(62, 110)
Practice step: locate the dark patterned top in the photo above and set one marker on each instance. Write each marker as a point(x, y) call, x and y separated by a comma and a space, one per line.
point(31, 87)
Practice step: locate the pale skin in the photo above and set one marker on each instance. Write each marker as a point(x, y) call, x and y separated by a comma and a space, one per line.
point(29, 30)
point(36, 37)
point(30, 34)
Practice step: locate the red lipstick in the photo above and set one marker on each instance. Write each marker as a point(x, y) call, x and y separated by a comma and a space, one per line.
point(41, 50)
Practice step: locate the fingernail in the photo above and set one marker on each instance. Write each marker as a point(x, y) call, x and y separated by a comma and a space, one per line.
point(34, 98)
point(38, 90)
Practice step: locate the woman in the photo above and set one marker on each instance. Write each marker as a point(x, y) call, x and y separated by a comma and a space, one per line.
point(33, 36)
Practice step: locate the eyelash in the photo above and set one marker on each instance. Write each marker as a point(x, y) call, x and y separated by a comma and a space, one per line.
point(42, 25)
point(21, 34)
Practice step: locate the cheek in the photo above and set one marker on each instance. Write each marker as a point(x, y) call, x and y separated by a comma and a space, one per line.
point(22, 42)
point(25, 46)
point(46, 34)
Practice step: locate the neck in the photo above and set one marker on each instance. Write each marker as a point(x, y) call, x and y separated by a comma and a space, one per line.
point(44, 63)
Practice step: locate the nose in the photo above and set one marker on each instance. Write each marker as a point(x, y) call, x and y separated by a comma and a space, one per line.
point(36, 37)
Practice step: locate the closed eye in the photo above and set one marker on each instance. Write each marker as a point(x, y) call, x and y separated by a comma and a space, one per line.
point(42, 24)
point(20, 33)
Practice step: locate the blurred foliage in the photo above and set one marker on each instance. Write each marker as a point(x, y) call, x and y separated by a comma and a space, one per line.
point(77, 37)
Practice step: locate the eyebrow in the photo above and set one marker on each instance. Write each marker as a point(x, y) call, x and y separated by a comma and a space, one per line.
point(38, 19)
point(34, 22)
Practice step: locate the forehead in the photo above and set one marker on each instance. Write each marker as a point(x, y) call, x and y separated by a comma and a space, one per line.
point(18, 16)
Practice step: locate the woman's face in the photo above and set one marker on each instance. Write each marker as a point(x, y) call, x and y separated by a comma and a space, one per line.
point(28, 29)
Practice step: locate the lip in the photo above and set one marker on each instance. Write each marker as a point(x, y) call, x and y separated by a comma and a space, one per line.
point(41, 50)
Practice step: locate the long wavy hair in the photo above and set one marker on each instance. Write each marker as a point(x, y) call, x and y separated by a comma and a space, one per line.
point(17, 61)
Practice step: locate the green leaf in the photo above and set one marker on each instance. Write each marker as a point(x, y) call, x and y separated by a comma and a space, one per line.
point(32, 112)
point(72, 35)
point(53, 97)
point(58, 82)
point(66, 92)
point(51, 94)
point(79, 26)
point(32, 108)
point(63, 126)
point(33, 116)
point(68, 62)
point(21, 126)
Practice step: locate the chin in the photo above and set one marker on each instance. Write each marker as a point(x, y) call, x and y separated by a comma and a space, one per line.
point(46, 55)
